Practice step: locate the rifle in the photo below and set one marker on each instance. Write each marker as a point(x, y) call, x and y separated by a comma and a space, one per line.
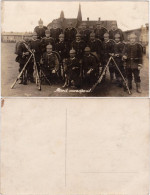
point(20, 74)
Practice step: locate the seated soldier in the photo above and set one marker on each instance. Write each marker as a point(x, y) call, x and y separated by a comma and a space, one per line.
point(50, 64)
point(47, 41)
point(72, 70)
point(78, 45)
point(89, 68)
point(133, 57)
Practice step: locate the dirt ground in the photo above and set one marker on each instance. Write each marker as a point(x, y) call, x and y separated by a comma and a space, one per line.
point(9, 72)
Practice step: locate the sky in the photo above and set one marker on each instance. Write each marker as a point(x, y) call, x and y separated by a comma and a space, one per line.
point(22, 16)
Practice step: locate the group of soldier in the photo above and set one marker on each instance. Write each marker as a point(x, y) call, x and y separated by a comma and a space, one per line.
point(78, 58)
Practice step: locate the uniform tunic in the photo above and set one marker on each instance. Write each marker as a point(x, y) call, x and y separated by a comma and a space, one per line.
point(55, 32)
point(63, 49)
point(47, 41)
point(85, 35)
point(112, 34)
point(79, 47)
point(40, 31)
point(70, 35)
point(99, 33)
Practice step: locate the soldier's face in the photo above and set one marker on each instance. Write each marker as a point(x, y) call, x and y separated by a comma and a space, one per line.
point(61, 39)
point(78, 38)
point(92, 37)
point(83, 27)
point(117, 39)
point(49, 50)
point(132, 40)
point(106, 39)
point(34, 37)
point(47, 35)
point(98, 26)
point(72, 55)
point(40, 25)
point(114, 27)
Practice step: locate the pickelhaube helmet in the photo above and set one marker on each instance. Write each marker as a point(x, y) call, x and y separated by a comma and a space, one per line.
point(78, 35)
point(72, 51)
point(92, 34)
point(40, 21)
point(49, 46)
point(106, 35)
point(87, 49)
point(132, 35)
point(47, 32)
point(117, 35)
point(61, 35)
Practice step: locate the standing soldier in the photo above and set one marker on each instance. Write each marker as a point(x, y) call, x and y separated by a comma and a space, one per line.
point(133, 57)
point(40, 30)
point(47, 41)
point(95, 46)
point(63, 49)
point(100, 31)
point(115, 30)
point(118, 54)
point(23, 56)
point(78, 45)
point(55, 32)
point(85, 32)
point(36, 48)
point(70, 34)
point(108, 50)
point(90, 68)
point(72, 71)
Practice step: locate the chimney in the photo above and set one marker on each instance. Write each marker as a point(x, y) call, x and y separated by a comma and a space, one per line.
point(87, 18)
point(99, 19)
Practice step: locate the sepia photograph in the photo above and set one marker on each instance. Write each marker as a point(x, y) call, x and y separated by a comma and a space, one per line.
point(75, 49)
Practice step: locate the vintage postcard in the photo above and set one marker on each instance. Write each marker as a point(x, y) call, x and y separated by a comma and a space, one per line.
point(75, 49)
point(53, 147)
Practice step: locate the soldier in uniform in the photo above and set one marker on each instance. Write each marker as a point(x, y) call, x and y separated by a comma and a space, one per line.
point(133, 57)
point(70, 34)
point(89, 68)
point(85, 32)
point(72, 71)
point(78, 45)
point(36, 48)
point(55, 32)
point(47, 41)
point(50, 64)
point(115, 30)
point(100, 31)
point(118, 54)
point(108, 49)
point(95, 46)
point(23, 56)
point(40, 30)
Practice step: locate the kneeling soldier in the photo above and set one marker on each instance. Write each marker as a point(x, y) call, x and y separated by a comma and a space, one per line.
point(50, 63)
point(72, 69)
point(133, 57)
point(90, 67)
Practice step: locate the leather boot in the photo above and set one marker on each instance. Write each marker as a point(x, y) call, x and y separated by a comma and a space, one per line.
point(138, 87)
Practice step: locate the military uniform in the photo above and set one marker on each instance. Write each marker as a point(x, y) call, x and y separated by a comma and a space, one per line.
point(133, 52)
point(112, 34)
point(55, 32)
point(47, 41)
point(108, 49)
point(85, 35)
point(63, 49)
point(90, 68)
point(79, 47)
point(70, 35)
point(96, 47)
point(23, 56)
point(99, 33)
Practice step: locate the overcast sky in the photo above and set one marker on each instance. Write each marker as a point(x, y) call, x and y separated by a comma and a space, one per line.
point(23, 16)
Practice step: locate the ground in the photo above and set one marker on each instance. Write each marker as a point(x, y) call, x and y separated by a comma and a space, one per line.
point(9, 72)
